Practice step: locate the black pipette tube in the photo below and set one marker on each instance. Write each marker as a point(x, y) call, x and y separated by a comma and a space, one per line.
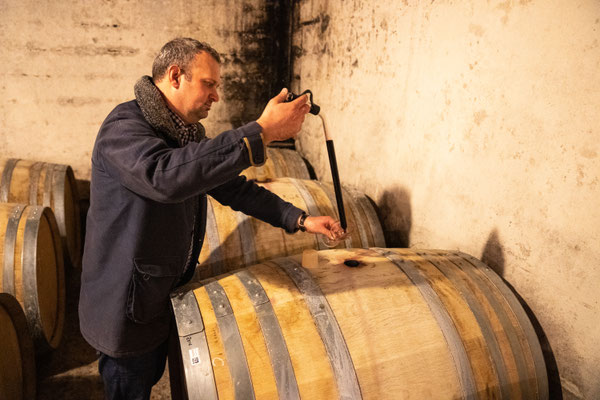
point(336, 183)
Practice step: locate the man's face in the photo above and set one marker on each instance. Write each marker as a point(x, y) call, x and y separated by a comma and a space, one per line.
point(197, 95)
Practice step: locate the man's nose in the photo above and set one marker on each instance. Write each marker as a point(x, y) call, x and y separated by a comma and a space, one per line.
point(214, 95)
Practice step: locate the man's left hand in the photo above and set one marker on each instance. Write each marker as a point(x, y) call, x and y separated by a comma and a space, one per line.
point(324, 225)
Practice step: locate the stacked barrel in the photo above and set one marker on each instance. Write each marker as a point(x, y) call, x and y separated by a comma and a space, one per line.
point(48, 185)
point(277, 316)
point(234, 239)
point(39, 232)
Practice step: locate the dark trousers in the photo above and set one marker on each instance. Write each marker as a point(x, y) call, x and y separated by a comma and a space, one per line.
point(132, 378)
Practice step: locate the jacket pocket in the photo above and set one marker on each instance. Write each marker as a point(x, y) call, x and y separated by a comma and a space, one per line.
point(152, 281)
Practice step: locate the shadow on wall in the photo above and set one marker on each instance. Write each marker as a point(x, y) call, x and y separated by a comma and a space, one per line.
point(395, 214)
point(493, 253)
point(493, 256)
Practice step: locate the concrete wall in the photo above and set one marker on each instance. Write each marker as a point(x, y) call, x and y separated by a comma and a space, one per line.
point(474, 126)
point(68, 63)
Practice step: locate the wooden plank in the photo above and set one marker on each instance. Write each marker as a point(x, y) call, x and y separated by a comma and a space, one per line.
point(465, 321)
point(396, 345)
point(307, 353)
point(528, 340)
point(218, 358)
point(253, 341)
point(19, 189)
point(504, 330)
point(327, 326)
point(232, 341)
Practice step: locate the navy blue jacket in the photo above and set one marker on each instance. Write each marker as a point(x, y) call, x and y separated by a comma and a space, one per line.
point(148, 196)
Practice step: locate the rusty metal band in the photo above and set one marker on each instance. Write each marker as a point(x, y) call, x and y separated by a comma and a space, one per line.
point(309, 201)
point(532, 339)
point(376, 230)
point(328, 190)
point(10, 240)
point(6, 178)
point(195, 355)
point(445, 322)
point(247, 236)
point(215, 259)
point(480, 315)
point(34, 180)
point(232, 341)
point(327, 326)
point(59, 173)
point(285, 379)
point(47, 195)
point(31, 304)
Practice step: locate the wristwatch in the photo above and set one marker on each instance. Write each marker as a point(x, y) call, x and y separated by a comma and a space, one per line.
point(301, 222)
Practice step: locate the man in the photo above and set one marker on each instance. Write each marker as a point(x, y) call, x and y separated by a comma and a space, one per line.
point(152, 168)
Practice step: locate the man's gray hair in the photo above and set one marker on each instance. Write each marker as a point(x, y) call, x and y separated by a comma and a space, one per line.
point(180, 52)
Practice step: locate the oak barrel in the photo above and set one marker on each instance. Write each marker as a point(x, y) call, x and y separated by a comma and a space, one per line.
point(50, 185)
point(234, 239)
point(280, 163)
point(17, 358)
point(357, 324)
point(32, 269)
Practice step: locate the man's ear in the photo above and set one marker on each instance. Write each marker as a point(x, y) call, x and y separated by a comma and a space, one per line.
point(174, 76)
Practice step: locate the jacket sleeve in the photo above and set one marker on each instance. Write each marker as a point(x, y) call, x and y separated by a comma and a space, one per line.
point(131, 152)
point(249, 198)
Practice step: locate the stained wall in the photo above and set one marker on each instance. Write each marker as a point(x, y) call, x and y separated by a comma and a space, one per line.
point(473, 125)
point(68, 63)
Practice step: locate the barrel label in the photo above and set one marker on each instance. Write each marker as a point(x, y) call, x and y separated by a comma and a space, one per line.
point(194, 356)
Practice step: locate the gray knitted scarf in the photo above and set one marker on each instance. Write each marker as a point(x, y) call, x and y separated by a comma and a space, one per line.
point(155, 109)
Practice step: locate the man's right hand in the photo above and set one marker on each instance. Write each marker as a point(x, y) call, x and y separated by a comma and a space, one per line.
point(282, 120)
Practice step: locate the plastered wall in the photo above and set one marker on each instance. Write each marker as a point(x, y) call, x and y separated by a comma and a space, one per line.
point(66, 64)
point(473, 125)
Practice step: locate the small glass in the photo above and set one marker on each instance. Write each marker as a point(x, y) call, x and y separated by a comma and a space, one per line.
point(339, 235)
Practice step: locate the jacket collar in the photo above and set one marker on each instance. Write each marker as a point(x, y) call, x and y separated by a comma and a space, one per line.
point(155, 109)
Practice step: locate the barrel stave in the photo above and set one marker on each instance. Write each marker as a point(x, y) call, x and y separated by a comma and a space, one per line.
point(33, 270)
point(251, 335)
point(312, 368)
